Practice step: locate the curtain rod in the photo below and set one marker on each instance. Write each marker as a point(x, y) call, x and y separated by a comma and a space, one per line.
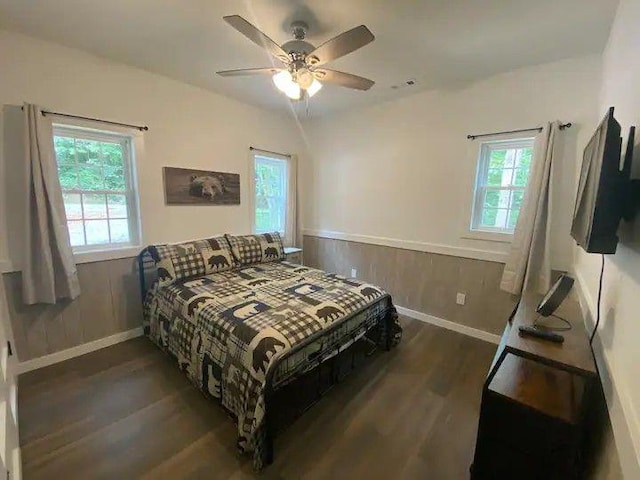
point(535, 129)
point(78, 117)
point(269, 151)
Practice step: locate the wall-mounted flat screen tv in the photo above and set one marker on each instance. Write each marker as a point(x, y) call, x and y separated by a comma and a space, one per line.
point(602, 190)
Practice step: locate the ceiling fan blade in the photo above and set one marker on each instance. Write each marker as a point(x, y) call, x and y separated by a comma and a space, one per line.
point(256, 36)
point(343, 79)
point(341, 45)
point(240, 72)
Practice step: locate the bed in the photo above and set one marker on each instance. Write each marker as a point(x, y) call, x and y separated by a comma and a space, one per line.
point(242, 323)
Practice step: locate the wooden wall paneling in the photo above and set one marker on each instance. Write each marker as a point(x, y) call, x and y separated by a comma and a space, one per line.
point(19, 338)
point(109, 303)
point(387, 261)
point(125, 293)
point(443, 283)
point(370, 266)
point(470, 282)
point(110, 298)
point(497, 303)
point(73, 324)
point(310, 250)
point(399, 277)
point(96, 307)
point(54, 326)
point(419, 272)
point(360, 258)
point(421, 281)
point(27, 321)
point(486, 306)
point(328, 254)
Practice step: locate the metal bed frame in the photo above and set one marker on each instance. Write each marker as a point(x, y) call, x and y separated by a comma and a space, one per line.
point(341, 343)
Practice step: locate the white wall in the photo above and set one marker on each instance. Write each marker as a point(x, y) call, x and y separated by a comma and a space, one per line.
point(619, 335)
point(188, 127)
point(405, 170)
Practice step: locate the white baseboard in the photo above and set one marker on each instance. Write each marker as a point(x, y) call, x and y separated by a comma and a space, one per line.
point(449, 325)
point(453, 251)
point(618, 400)
point(63, 355)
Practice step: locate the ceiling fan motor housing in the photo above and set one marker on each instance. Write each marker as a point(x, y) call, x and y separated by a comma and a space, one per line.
point(298, 47)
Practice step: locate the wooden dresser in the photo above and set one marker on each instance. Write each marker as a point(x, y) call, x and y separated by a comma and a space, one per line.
point(535, 402)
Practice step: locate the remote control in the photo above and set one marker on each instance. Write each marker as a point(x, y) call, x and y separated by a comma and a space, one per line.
point(531, 331)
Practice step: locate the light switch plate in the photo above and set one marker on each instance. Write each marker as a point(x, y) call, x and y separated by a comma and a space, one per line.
point(461, 298)
point(354, 273)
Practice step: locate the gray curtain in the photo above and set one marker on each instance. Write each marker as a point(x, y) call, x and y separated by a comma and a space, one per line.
point(48, 269)
point(528, 267)
point(292, 237)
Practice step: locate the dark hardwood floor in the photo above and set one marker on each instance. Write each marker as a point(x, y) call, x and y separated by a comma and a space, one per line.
point(126, 412)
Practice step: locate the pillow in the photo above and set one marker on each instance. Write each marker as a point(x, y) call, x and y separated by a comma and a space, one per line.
point(191, 259)
point(261, 248)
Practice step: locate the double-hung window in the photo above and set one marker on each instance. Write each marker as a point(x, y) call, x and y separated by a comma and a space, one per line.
point(97, 177)
point(501, 179)
point(270, 193)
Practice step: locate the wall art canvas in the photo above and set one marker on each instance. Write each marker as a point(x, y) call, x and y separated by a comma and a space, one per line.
point(184, 186)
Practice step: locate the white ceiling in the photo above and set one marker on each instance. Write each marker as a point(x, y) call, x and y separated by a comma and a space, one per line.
point(438, 43)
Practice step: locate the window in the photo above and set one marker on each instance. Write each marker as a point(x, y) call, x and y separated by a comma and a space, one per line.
point(270, 199)
point(97, 179)
point(502, 175)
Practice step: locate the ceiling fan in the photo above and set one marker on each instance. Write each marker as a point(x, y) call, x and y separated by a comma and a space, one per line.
point(302, 71)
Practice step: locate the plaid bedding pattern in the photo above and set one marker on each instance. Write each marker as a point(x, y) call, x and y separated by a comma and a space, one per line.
point(228, 329)
point(260, 248)
point(190, 259)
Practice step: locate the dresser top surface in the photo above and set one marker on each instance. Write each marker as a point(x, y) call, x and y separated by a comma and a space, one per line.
point(574, 354)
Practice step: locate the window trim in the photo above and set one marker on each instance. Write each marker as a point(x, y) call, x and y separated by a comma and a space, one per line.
point(132, 139)
point(475, 210)
point(269, 156)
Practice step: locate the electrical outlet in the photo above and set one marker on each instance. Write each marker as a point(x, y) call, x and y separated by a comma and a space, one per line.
point(460, 298)
point(354, 273)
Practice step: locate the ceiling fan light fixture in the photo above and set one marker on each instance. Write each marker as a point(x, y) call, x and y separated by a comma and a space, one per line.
point(314, 88)
point(284, 82)
point(304, 78)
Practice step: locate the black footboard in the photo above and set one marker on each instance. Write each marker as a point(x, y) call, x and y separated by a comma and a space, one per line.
point(286, 403)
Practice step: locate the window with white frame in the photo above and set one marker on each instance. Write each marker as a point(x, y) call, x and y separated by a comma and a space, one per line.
point(96, 172)
point(501, 179)
point(270, 195)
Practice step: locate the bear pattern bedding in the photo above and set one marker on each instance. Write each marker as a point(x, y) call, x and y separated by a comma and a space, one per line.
point(190, 259)
point(228, 329)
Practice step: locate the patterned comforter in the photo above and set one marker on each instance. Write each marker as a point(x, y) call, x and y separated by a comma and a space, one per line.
point(228, 329)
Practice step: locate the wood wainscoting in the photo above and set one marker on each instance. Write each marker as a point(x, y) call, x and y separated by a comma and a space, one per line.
point(421, 281)
point(109, 303)
point(110, 300)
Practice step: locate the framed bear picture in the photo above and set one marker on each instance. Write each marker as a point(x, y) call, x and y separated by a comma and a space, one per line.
point(184, 186)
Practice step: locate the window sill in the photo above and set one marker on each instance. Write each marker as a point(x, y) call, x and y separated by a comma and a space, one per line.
point(488, 236)
point(89, 256)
